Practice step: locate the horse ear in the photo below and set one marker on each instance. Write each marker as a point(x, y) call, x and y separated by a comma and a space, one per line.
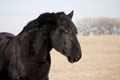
point(70, 15)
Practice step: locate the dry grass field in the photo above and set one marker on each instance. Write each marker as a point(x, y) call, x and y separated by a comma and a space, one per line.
point(100, 61)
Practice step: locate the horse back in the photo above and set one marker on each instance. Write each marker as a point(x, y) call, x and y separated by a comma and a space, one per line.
point(4, 41)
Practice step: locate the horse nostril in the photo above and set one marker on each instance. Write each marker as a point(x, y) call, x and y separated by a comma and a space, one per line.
point(77, 58)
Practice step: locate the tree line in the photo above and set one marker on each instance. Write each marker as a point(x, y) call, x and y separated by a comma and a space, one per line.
point(98, 26)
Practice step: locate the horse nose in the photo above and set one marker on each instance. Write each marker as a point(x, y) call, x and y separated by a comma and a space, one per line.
point(77, 58)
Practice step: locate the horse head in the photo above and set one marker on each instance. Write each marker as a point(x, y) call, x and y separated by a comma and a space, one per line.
point(63, 37)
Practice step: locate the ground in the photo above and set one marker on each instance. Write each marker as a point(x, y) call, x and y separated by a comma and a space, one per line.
point(100, 61)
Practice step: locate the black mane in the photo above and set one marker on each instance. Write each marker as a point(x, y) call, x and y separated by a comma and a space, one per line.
point(45, 18)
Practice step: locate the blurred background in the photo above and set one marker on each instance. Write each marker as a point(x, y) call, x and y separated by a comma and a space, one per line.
point(98, 24)
point(89, 15)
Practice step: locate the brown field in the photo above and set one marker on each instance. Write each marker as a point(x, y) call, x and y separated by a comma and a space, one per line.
point(100, 61)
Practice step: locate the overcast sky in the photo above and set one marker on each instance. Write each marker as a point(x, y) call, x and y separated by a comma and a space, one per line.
point(15, 14)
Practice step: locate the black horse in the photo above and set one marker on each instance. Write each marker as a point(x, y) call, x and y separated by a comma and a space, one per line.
point(26, 56)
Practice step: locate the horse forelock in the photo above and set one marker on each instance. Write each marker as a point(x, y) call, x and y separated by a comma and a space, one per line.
point(64, 19)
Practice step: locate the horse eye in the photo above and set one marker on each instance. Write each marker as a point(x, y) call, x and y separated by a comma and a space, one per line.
point(66, 31)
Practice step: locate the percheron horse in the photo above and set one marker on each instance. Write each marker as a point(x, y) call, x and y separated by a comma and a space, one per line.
point(27, 55)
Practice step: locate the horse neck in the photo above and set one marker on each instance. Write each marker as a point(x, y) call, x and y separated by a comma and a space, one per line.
point(36, 42)
point(23, 51)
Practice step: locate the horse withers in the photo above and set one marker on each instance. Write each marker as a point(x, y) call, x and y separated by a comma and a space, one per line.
point(26, 56)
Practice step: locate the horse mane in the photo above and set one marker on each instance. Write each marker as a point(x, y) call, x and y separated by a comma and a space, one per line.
point(41, 20)
point(45, 18)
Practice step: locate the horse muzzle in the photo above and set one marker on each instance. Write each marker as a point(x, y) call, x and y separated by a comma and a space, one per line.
point(73, 59)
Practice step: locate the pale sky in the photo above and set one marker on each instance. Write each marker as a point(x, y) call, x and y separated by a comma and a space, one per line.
point(15, 14)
